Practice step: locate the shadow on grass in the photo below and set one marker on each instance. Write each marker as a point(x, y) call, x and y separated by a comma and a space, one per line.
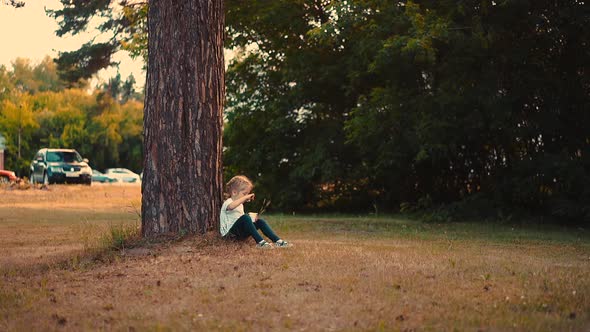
point(120, 241)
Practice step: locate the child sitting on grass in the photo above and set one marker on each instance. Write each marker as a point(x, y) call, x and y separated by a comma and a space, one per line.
point(235, 223)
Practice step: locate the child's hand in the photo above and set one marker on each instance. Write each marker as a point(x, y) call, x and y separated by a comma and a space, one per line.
point(250, 197)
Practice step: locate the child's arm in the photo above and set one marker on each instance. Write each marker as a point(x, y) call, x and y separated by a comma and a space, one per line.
point(239, 201)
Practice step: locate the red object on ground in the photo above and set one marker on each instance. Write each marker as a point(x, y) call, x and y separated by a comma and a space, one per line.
point(7, 176)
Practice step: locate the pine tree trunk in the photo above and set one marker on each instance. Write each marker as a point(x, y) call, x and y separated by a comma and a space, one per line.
point(182, 182)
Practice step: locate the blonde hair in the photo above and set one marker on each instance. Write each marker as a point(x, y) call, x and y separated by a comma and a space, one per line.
point(237, 183)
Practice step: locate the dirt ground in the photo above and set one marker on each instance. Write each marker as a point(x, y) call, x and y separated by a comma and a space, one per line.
point(342, 274)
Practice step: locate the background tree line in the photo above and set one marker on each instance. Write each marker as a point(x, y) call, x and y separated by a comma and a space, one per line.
point(479, 106)
point(370, 105)
point(37, 110)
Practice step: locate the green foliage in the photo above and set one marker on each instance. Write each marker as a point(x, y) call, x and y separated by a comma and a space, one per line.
point(33, 79)
point(14, 3)
point(77, 66)
point(17, 122)
point(136, 39)
point(106, 130)
point(356, 104)
point(124, 21)
point(6, 83)
point(288, 91)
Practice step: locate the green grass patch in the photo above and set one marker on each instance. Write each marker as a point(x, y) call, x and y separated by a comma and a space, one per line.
point(120, 236)
point(409, 228)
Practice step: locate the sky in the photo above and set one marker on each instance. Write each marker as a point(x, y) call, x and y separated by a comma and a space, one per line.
point(29, 33)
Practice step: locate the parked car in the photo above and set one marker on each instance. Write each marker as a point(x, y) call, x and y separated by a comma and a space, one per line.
point(122, 175)
point(60, 166)
point(7, 176)
point(101, 177)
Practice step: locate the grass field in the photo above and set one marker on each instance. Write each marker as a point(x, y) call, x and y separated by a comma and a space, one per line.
point(343, 273)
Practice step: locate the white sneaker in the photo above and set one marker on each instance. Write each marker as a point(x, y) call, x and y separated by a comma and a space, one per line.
point(283, 244)
point(264, 245)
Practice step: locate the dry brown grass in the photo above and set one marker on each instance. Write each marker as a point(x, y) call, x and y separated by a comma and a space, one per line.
point(42, 226)
point(344, 273)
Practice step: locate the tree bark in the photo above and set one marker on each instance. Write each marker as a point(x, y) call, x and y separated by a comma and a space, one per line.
point(183, 117)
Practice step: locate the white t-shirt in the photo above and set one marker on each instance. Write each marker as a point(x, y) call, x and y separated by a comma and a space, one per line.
point(228, 217)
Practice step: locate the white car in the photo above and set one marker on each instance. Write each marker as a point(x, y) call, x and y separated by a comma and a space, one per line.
point(122, 175)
